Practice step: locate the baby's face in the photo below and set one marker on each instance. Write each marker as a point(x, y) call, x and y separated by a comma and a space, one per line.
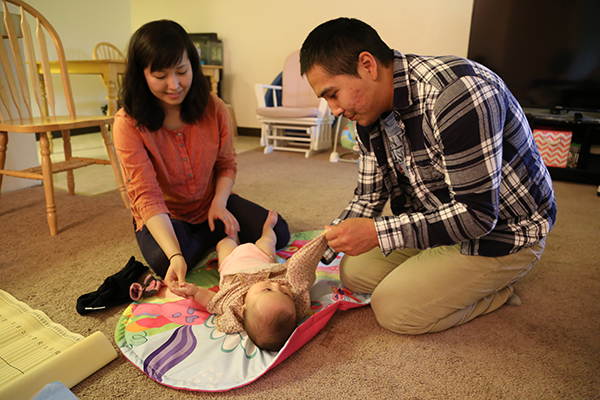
point(267, 294)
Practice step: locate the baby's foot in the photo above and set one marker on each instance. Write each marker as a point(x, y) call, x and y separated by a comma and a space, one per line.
point(271, 219)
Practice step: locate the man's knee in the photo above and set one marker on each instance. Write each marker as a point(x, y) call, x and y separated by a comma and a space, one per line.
point(353, 277)
point(394, 321)
point(391, 314)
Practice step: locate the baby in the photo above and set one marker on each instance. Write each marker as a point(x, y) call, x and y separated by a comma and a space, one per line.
point(256, 293)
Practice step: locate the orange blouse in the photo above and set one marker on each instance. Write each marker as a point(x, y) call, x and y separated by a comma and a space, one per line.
point(175, 171)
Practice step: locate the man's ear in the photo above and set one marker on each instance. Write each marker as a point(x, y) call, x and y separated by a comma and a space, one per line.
point(368, 64)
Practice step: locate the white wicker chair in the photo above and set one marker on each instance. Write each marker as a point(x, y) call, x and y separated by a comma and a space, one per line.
point(302, 123)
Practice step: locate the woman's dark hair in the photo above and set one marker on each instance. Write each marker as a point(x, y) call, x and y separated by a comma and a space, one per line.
point(160, 45)
point(336, 44)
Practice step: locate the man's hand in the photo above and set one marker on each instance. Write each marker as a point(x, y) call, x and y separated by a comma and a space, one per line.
point(353, 236)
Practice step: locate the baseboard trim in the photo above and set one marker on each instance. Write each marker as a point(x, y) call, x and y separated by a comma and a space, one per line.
point(81, 131)
point(248, 131)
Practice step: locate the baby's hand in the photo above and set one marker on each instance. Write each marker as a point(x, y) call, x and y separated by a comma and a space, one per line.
point(189, 289)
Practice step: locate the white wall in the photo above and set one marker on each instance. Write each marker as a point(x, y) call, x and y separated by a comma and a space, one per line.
point(81, 24)
point(259, 34)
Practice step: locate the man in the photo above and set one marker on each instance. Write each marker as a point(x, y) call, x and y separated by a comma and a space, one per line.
point(444, 141)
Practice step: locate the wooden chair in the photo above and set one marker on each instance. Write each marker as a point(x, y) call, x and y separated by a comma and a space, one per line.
point(25, 87)
point(107, 51)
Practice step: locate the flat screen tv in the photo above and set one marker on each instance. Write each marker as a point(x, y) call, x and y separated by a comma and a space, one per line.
point(547, 51)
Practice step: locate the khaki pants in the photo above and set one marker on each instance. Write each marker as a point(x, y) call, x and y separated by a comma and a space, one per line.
point(419, 291)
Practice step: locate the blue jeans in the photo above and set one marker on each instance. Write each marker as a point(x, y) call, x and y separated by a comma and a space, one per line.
point(195, 240)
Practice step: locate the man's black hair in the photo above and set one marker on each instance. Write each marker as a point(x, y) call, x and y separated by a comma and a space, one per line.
point(336, 44)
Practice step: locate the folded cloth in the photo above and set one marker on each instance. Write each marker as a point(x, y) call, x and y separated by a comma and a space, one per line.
point(55, 391)
point(114, 291)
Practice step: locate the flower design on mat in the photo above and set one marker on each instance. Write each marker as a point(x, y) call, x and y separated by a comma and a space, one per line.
point(153, 318)
point(231, 341)
point(340, 292)
point(209, 376)
point(291, 249)
point(315, 306)
point(134, 339)
point(212, 264)
point(187, 317)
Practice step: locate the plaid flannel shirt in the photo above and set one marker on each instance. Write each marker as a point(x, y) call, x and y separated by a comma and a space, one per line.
point(473, 171)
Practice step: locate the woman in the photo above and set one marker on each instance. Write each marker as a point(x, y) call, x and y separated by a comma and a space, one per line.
point(175, 143)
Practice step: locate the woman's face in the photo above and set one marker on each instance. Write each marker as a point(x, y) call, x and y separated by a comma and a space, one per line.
point(171, 85)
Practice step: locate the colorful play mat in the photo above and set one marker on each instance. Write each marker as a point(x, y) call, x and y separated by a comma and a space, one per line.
point(174, 340)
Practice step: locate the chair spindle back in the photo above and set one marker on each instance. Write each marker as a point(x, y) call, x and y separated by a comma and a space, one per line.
point(25, 72)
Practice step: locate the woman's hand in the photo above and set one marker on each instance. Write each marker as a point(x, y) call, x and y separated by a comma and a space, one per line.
point(220, 212)
point(218, 208)
point(161, 228)
point(175, 276)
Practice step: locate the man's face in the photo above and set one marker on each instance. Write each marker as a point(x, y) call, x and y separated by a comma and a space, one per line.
point(355, 98)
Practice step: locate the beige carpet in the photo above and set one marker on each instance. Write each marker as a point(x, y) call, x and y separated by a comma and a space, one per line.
point(549, 348)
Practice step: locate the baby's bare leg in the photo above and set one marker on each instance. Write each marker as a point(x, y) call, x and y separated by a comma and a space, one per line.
point(225, 247)
point(268, 240)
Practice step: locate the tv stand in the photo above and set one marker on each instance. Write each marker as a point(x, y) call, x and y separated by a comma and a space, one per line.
point(586, 132)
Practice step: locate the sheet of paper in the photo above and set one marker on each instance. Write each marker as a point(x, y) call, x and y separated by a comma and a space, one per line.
point(35, 351)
